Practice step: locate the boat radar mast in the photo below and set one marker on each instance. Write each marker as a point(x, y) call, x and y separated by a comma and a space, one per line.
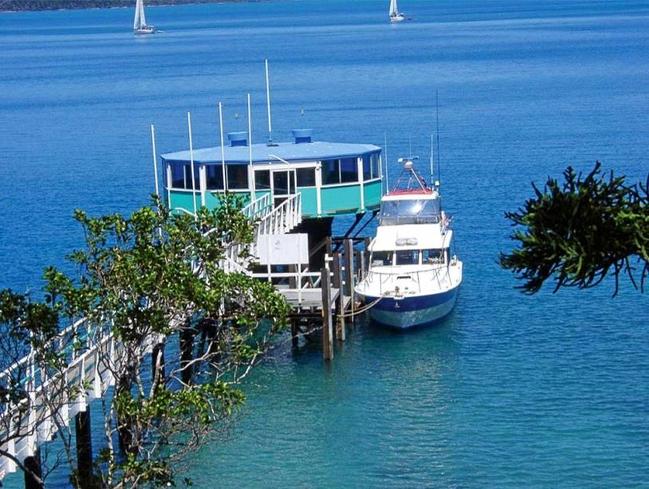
point(409, 180)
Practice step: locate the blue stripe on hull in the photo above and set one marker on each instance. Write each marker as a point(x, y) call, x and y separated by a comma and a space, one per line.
point(413, 311)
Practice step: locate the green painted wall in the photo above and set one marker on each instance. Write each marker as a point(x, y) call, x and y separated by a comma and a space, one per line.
point(309, 201)
point(344, 199)
point(341, 199)
point(372, 194)
point(184, 200)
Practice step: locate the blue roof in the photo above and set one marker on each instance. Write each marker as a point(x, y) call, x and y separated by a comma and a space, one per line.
point(261, 153)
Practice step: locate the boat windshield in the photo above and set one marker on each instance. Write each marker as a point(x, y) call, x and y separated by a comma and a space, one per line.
point(415, 211)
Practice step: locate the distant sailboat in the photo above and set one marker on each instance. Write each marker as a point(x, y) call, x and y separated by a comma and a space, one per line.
point(395, 15)
point(139, 22)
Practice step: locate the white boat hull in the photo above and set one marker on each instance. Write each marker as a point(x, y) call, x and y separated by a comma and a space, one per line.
point(144, 30)
point(409, 312)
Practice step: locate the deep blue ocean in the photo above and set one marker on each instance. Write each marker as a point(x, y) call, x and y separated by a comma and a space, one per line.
point(510, 391)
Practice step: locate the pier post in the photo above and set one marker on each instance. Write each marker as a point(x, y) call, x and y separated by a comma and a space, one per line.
point(33, 466)
point(84, 449)
point(340, 299)
point(349, 273)
point(294, 332)
point(327, 329)
point(363, 256)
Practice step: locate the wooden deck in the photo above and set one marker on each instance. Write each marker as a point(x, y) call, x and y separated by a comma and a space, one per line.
point(309, 297)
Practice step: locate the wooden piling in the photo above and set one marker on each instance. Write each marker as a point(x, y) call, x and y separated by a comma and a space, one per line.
point(33, 468)
point(294, 332)
point(84, 449)
point(340, 300)
point(327, 327)
point(349, 273)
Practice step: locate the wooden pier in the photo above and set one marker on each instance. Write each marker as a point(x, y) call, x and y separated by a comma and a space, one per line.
point(292, 248)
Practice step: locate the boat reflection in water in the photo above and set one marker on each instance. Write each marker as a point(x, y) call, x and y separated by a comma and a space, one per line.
point(413, 278)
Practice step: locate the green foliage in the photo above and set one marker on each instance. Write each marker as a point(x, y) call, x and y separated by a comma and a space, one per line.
point(580, 231)
point(156, 276)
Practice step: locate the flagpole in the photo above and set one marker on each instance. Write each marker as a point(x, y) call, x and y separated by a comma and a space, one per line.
point(225, 173)
point(191, 160)
point(155, 161)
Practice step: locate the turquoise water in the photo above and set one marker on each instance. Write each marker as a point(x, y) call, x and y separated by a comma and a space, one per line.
point(511, 391)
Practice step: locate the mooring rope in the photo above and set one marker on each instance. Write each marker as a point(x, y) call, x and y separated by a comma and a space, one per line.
point(363, 309)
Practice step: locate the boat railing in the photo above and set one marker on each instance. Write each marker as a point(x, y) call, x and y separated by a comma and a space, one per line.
point(386, 278)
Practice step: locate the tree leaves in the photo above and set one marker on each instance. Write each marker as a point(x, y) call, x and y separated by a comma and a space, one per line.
point(580, 231)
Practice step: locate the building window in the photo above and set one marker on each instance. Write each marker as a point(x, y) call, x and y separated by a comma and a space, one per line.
point(306, 177)
point(348, 170)
point(214, 177)
point(376, 165)
point(181, 175)
point(371, 166)
point(262, 179)
point(367, 167)
point(237, 177)
point(330, 172)
point(339, 171)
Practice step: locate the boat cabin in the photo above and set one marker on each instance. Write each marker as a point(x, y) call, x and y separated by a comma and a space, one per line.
point(332, 178)
point(412, 231)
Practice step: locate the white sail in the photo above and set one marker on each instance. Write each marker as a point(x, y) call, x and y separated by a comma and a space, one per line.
point(139, 21)
point(142, 18)
point(393, 8)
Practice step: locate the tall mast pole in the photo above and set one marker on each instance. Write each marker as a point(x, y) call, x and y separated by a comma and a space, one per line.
point(155, 161)
point(387, 173)
point(225, 173)
point(251, 174)
point(191, 160)
point(270, 125)
point(431, 161)
point(439, 168)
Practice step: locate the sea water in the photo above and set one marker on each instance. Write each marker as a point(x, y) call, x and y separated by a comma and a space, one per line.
point(510, 391)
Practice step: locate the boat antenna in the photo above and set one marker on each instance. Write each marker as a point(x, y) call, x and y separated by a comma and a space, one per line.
point(270, 124)
point(225, 173)
point(252, 186)
point(439, 168)
point(432, 164)
point(155, 161)
point(387, 174)
point(191, 161)
point(410, 146)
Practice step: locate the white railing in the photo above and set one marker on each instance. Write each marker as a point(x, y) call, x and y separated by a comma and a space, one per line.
point(283, 218)
point(271, 220)
point(258, 207)
point(387, 279)
point(46, 405)
point(23, 430)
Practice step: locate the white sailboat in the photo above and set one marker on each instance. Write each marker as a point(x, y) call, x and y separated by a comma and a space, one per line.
point(139, 22)
point(395, 15)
